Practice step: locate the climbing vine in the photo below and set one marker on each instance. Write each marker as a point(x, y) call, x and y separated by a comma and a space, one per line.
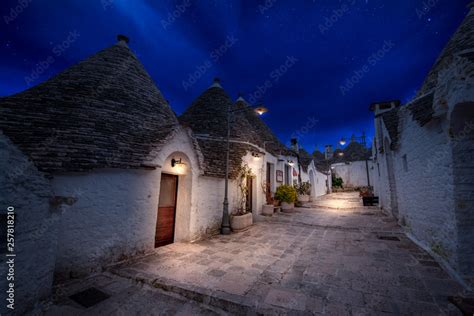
point(243, 173)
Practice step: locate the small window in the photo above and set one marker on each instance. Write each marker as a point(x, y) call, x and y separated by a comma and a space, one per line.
point(405, 163)
point(378, 169)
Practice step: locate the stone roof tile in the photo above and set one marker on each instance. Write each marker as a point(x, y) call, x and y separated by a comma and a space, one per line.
point(462, 39)
point(104, 112)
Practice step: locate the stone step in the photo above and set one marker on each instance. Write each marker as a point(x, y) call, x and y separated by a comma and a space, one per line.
point(228, 303)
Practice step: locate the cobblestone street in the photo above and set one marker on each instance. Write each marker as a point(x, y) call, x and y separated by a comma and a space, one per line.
point(335, 258)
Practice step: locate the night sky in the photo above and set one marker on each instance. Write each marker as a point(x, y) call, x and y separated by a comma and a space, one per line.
point(317, 65)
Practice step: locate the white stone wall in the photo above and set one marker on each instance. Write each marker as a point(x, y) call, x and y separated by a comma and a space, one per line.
point(381, 183)
point(429, 179)
point(425, 186)
point(28, 192)
point(319, 182)
point(354, 174)
point(281, 163)
point(116, 210)
point(114, 218)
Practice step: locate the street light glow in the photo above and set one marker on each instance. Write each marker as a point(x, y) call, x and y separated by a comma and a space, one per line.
point(261, 110)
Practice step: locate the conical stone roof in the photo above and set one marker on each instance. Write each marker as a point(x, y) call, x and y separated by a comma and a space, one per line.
point(104, 112)
point(461, 41)
point(268, 140)
point(305, 159)
point(207, 118)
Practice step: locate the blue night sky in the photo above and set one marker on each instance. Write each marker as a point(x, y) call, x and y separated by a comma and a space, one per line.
point(298, 57)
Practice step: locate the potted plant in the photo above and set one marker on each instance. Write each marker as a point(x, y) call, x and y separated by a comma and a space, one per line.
point(241, 219)
point(367, 195)
point(337, 183)
point(267, 209)
point(304, 191)
point(286, 194)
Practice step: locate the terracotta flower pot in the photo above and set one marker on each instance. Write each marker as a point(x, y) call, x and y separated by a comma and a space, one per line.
point(267, 210)
point(285, 207)
point(241, 222)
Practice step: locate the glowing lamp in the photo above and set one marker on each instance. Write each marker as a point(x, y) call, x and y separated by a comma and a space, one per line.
point(178, 166)
point(261, 110)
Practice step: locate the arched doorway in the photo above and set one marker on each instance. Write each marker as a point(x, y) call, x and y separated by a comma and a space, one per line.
point(174, 201)
point(392, 185)
point(462, 144)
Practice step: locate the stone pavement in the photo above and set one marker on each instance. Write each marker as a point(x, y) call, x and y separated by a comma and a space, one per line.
point(335, 258)
point(330, 260)
point(127, 297)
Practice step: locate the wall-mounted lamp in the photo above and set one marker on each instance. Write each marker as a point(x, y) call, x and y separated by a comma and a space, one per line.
point(175, 162)
point(256, 156)
point(178, 165)
point(291, 163)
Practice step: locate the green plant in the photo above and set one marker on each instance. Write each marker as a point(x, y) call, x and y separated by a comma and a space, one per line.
point(304, 188)
point(244, 172)
point(337, 182)
point(266, 187)
point(285, 193)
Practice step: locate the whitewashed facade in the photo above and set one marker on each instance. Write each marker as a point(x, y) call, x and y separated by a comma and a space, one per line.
point(424, 163)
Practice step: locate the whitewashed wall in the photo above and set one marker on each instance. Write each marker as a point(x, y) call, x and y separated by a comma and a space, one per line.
point(210, 204)
point(318, 183)
point(114, 218)
point(29, 192)
point(425, 187)
point(381, 185)
point(429, 179)
point(116, 210)
point(354, 174)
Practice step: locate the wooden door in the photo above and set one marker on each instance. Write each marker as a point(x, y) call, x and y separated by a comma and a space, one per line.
point(166, 210)
point(249, 196)
point(268, 185)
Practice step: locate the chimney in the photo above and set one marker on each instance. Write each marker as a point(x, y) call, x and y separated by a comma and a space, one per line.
point(328, 152)
point(382, 107)
point(294, 145)
point(122, 40)
point(240, 97)
point(216, 83)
